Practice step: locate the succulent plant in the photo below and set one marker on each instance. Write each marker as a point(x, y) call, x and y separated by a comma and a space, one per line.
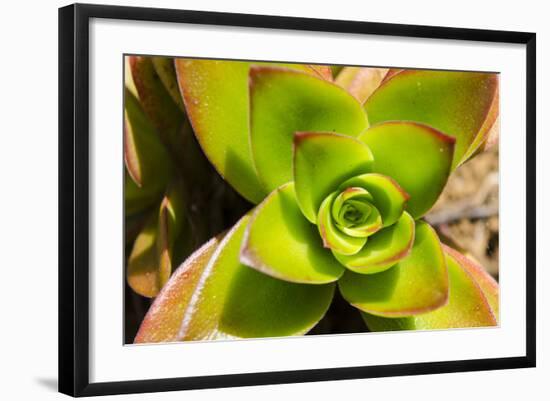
point(341, 171)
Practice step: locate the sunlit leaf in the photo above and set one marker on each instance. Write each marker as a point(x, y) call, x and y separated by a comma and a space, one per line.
point(163, 320)
point(416, 156)
point(489, 132)
point(281, 242)
point(215, 94)
point(487, 283)
point(222, 298)
point(283, 102)
point(417, 284)
point(467, 306)
point(383, 249)
point(322, 161)
point(453, 102)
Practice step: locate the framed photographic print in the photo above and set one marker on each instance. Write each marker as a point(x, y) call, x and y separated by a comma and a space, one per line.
point(250, 199)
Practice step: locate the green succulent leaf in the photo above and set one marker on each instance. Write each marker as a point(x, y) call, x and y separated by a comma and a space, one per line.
point(280, 242)
point(229, 299)
point(145, 156)
point(388, 196)
point(142, 272)
point(321, 162)
point(417, 284)
point(485, 281)
point(163, 319)
point(129, 83)
point(164, 67)
point(156, 101)
point(333, 237)
point(383, 249)
point(152, 255)
point(138, 200)
point(460, 104)
point(147, 161)
point(172, 225)
point(283, 102)
point(418, 157)
point(390, 73)
point(467, 306)
point(215, 94)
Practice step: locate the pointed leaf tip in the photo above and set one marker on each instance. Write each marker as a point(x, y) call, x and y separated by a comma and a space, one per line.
point(322, 161)
point(278, 224)
point(215, 93)
point(468, 304)
point(283, 102)
point(415, 285)
point(460, 104)
point(416, 156)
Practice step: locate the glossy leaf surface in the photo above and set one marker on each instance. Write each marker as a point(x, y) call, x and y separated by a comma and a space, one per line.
point(418, 157)
point(417, 284)
point(280, 242)
point(486, 282)
point(467, 307)
point(322, 161)
point(215, 94)
point(455, 103)
point(163, 320)
point(283, 102)
point(231, 299)
point(383, 249)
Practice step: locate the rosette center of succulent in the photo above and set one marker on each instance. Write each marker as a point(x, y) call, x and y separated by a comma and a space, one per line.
point(346, 218)
point(355, 214)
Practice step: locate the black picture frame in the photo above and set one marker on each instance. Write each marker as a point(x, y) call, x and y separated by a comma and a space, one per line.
point(74, 198)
